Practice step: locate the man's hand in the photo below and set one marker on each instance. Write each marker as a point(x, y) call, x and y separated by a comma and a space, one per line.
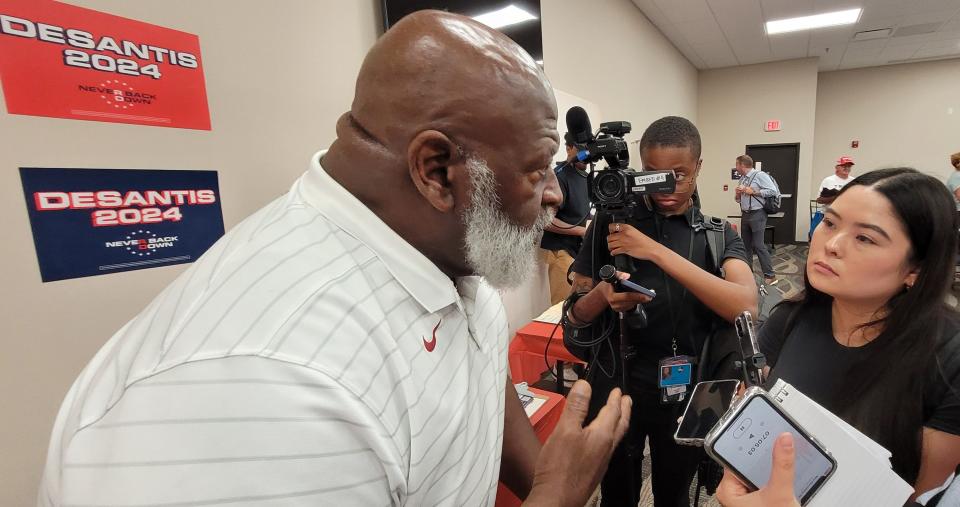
point(621, 301)
point(749, 190)
point(574, 458)
point(625, 239)
point(779, 490)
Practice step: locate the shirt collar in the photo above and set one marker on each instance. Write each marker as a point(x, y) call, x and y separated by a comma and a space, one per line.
point(414, 271)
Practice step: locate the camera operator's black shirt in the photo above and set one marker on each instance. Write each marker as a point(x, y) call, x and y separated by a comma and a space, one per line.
point(575, 209)
point(690, 317)
point(810, 359)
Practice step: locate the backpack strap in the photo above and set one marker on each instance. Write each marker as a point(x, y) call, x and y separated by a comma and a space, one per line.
point(716, 241)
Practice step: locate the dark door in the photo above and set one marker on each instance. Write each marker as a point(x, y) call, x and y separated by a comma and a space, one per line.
point(782, 161)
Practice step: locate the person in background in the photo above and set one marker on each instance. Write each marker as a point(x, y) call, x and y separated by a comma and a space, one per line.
point(346, 345)
point(953, 182)
point(832, 184)
point(871, 338)
point(755, 185)
point(564, 235)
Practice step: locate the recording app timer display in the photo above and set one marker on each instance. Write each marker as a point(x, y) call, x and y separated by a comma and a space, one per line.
point(747, 444)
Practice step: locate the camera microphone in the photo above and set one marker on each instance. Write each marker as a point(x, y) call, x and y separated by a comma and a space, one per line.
point(578, 125)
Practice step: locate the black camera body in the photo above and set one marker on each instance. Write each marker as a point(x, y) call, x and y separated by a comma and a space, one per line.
point(618, 188)
point(615, 189)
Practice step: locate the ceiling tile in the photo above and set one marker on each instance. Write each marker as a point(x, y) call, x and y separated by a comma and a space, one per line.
point(839, 5)
point(751, 50)
point(736, 27)
point(898, 53)
point(931, 5)
point(949, 43)
point(947, 35)
point(918, 18)
point(680, 11)
point(833, 36)
point(912, 39)
point(779, 9)
point(702, 32)
point(878, 23)
point(652, 12)
point(729, 7)
point(790, 45)
point(928, 53)
point(867, 46)
point(715, 55)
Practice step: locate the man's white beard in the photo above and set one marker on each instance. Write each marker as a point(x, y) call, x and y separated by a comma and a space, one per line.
point(497, 249)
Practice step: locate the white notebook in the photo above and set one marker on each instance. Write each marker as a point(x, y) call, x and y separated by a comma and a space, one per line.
point(863, 477)
point(551, 315)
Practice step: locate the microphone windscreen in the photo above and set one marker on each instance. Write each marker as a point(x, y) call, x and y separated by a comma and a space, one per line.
point(578, 124)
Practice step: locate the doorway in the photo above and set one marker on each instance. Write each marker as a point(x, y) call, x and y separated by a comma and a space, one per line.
point(782, 161)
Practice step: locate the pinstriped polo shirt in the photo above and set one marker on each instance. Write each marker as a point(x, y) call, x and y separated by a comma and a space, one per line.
point(310, 357)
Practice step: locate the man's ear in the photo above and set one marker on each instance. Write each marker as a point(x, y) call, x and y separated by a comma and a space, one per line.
point(436, 168)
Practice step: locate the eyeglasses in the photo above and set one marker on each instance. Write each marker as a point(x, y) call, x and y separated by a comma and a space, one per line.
point(685, 180)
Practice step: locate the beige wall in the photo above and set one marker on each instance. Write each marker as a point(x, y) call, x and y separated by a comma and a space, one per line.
point(733, 106)
point(607, 52)
point(901, 114)
point(273, 100)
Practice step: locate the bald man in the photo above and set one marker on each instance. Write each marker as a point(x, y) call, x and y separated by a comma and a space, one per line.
point(345, 345)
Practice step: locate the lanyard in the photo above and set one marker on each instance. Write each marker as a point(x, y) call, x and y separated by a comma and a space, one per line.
point(666, 282)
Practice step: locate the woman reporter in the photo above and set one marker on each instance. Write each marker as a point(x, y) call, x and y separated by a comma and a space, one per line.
point(871, 338)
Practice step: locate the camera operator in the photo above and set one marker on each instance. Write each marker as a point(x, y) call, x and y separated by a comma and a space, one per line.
point(668, 248)
point(563, 236)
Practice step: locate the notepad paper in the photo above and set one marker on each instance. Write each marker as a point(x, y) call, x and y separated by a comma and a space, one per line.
point(863, 477)
point(551, 315)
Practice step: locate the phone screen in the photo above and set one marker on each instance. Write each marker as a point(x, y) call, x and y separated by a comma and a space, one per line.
point(747, 446)
point(709, 401)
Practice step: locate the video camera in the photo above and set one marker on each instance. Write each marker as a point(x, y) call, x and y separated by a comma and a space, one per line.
point(617, 189)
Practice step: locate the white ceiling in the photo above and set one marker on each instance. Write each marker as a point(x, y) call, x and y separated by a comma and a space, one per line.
point(724, 33)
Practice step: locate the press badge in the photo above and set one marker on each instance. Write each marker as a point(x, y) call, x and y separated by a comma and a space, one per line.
point(675, 374)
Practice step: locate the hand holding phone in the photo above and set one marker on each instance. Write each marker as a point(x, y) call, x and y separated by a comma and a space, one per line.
point(743, 442)
point(779, 489)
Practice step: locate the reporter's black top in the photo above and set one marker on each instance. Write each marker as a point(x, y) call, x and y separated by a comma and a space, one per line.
point(810, 359)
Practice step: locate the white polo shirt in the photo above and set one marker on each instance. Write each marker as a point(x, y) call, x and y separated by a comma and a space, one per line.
point(834, 182)
point(310, 357)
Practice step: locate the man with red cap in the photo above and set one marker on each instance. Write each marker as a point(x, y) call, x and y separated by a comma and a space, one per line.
point(832, 184)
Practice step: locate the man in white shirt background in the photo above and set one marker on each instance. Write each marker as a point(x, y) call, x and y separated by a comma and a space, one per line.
point(832, 184)
point(345, 345)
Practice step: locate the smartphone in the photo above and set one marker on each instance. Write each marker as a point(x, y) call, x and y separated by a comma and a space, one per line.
point(709, 401)
point(636, 287)
point(743, 443)
point(745, 332)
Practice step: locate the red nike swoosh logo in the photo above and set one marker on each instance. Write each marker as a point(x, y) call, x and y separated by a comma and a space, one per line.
point(430, 345)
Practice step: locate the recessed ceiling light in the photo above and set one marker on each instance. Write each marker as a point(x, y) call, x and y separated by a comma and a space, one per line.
point(847, 17)
point(509, 15)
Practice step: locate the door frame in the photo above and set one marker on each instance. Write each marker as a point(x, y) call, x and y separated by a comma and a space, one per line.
point(793, 240)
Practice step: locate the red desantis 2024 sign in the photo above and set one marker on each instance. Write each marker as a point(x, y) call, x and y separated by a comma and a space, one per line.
point(64, 61)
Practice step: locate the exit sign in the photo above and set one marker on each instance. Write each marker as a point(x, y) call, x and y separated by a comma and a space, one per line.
point(772, 126)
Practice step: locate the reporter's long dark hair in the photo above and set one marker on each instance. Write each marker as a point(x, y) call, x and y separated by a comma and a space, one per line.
point(883, 393)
